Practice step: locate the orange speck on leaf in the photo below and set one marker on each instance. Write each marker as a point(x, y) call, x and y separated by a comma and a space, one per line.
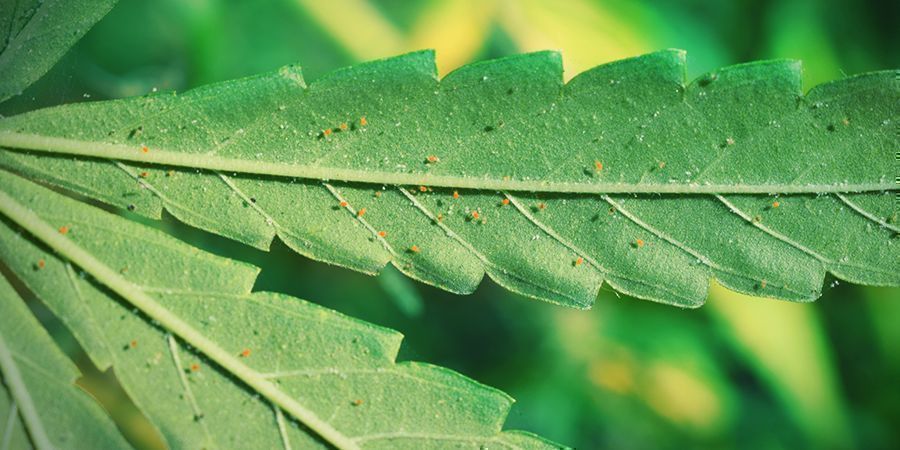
point(41, 264)
point(432, 159)
point(776, 204)
point(144, 175)
point(505, 201)
point(343, 126)
point(639, 243)
point(357, 402)
point(363, 121)
point(327, 132)
point(423, 188)
point(63, 229)
point(382, 233)
point(245, 353)
point(455, 194)
point(343, 204)
point(132, 344)
point(440, 217)
point(474, 214)
point(598, 165)
point(414, 249)
point(195, 367)
point(579, 261)
point(378, 193)
point(542, 205)
point(360, 212)
point(145, 149)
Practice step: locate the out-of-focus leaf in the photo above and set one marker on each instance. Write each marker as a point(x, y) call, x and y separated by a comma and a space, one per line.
point(791, 355)
point(590, 32)
point(401, 290)
point(34, 34)
point(360, 28)
point(804, 39)
point(455, 29)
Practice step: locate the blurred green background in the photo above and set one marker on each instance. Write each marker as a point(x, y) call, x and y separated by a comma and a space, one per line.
point(740, 373)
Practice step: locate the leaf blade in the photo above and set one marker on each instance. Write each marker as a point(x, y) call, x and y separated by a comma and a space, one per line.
point(41, 390)
point(555, 246)
point(174, 135)
point(324, 365)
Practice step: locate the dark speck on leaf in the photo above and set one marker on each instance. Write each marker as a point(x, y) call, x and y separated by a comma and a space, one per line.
point(131, 207)
point(705, 81)
point(135, 132)
point(830, 127)
point(489, 128)
point(510, 91)
point(252, 199)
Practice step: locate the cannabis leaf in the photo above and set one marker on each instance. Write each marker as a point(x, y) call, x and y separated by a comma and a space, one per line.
point(214, 365)
point(40, 406)
point(34, 34)
point(625, 174)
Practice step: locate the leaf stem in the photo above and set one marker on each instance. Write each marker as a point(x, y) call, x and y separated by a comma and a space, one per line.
point(134, 294)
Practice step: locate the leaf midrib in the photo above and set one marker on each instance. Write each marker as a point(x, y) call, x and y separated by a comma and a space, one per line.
point(213, 162)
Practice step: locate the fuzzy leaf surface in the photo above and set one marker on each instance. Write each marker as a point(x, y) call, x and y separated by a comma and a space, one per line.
point(214, 365)
point(40, 405)
point(626, 174)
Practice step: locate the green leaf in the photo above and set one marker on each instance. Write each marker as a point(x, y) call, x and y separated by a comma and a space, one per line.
point(34, 34)
point(402, 291)
point(215, 365)
point(496, 169)
point(40, 406)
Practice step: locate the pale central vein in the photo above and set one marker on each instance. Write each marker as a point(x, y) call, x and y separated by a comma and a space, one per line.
point(215, 162)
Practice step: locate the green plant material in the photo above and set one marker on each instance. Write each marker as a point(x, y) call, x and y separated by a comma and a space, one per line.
point(359, 27)
point(591, 32)
point(402, 292)
point(34, 34)
point(624, 174)
point(791, 355)
point(214, 365)
point(456, 30)
point(41, 407)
